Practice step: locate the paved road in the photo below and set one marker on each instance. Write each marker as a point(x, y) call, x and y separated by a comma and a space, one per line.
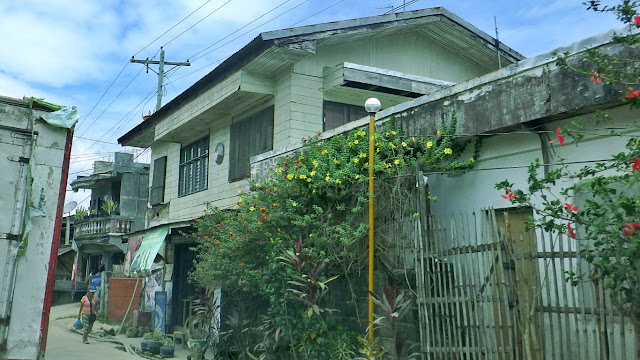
point(62, 344)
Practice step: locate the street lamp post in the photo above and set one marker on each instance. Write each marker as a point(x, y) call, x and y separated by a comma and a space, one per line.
point(372, 106)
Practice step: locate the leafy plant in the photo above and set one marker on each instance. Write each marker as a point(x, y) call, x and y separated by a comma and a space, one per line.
point(81, 213)
point(110, 206)
point(394, 308)
point(308, 287)
point(156, 335)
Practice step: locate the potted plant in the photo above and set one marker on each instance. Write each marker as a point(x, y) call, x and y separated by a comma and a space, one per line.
point(81, 213)
point(110, 206)
point(146, 339)
point(154, 341)
point(166, 351)
point(205, 323)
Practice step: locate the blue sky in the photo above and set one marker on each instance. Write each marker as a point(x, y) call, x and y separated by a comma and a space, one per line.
point(76, 52)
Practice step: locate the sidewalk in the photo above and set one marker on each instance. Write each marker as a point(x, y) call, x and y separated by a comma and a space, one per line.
point(65, 343)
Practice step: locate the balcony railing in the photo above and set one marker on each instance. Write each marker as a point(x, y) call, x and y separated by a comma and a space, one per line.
point(102, 226)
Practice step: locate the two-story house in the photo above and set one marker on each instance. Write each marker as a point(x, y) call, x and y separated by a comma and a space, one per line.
point(286, 85)
point(122, 183)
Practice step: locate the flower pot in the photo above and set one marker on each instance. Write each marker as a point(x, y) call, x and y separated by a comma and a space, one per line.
point(154, 347)
point(197, 348)
point(144, 345)
point(166, 351)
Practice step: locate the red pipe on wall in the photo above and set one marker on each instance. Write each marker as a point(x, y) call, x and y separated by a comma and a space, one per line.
point(53, 257)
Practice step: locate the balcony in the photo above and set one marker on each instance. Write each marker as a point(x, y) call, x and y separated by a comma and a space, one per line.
point(96, 227)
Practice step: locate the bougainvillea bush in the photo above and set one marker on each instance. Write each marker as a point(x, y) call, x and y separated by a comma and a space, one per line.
point(312, 205)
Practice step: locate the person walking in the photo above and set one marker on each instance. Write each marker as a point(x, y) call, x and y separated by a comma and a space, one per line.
point(88, 312)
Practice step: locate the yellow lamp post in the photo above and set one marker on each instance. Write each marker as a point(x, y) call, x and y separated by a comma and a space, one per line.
point(372, 106)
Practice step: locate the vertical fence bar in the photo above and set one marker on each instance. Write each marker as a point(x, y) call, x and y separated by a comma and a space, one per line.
point(566, 302)
point(549, 339)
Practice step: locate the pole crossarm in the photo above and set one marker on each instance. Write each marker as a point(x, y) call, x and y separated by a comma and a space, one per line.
point(161, 63)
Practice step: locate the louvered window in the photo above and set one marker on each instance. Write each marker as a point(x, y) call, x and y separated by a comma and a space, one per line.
point(194, 164)
point(156, 193)
point(249, 137)
point(337, 114)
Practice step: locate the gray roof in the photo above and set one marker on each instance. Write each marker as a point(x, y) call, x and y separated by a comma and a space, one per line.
point(272, 50)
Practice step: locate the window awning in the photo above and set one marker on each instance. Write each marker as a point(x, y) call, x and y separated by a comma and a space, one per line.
point(151, 242)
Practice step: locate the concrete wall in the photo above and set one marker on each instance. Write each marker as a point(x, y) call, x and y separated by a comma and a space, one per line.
point(26, 299)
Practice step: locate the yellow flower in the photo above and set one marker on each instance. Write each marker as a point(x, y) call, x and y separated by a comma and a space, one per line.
point(393, 132)
point(439, 132)
point(472, 160)
point(335, 161)
point(301, 157)
point(312, 173)
point(387, 165)
point(404, 144)
point(358, 176)
point(338, 181)
point(240, 201)
point(448, 151)
point(290, 176)
point(327, 178)
point(278, 169)
point(303, 176)
point(324, 151)
point(391, 145)
point(396, 161)
point(294, 203)
point(356, 142)
point(315, 163)
point(362, 155)
point(429, 144)
point(251, 208)
point(355, 160)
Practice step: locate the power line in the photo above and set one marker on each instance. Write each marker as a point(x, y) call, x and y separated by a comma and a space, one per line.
point(192, 26)
point(173, 27)
point(309, 17)
point(103, 94)
point(251, 22)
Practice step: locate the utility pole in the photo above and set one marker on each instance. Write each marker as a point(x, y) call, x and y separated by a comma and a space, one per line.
point(161, 63)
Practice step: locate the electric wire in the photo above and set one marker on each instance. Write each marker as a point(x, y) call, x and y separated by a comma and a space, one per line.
point(195, 56)
point(173, 27)
point(199, 21)
point(81, 122)
point(401, 6)
point(321, 11)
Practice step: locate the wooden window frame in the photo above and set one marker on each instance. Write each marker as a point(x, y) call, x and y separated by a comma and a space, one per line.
point(156, 192)
point(193, 167)
point(250, 136)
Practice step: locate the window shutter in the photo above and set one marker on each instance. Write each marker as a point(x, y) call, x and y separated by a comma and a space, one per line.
point(157, 186)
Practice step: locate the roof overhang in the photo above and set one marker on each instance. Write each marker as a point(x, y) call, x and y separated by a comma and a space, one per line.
point(386, 81)
point(274, 50)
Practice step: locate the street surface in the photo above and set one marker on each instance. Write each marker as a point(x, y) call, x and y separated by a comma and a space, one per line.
point(62, 344)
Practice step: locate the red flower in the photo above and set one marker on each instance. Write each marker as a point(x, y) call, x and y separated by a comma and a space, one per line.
point(560, 137)
point(596, 78)
point(635, 164)
point(637, 20)
point(509, 196)
point(570, 231)
point(633, 94)
point(570, 207)
point(631, 228)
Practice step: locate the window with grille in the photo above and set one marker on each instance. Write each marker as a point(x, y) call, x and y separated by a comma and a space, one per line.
point(194, 164)
point(249, 137)
point(337, 114)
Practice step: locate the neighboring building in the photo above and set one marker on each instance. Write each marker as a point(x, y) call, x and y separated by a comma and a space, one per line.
point(495, 288)
point(99, 235)
point(286, 85)
point(35, 143)
point(64, 266)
